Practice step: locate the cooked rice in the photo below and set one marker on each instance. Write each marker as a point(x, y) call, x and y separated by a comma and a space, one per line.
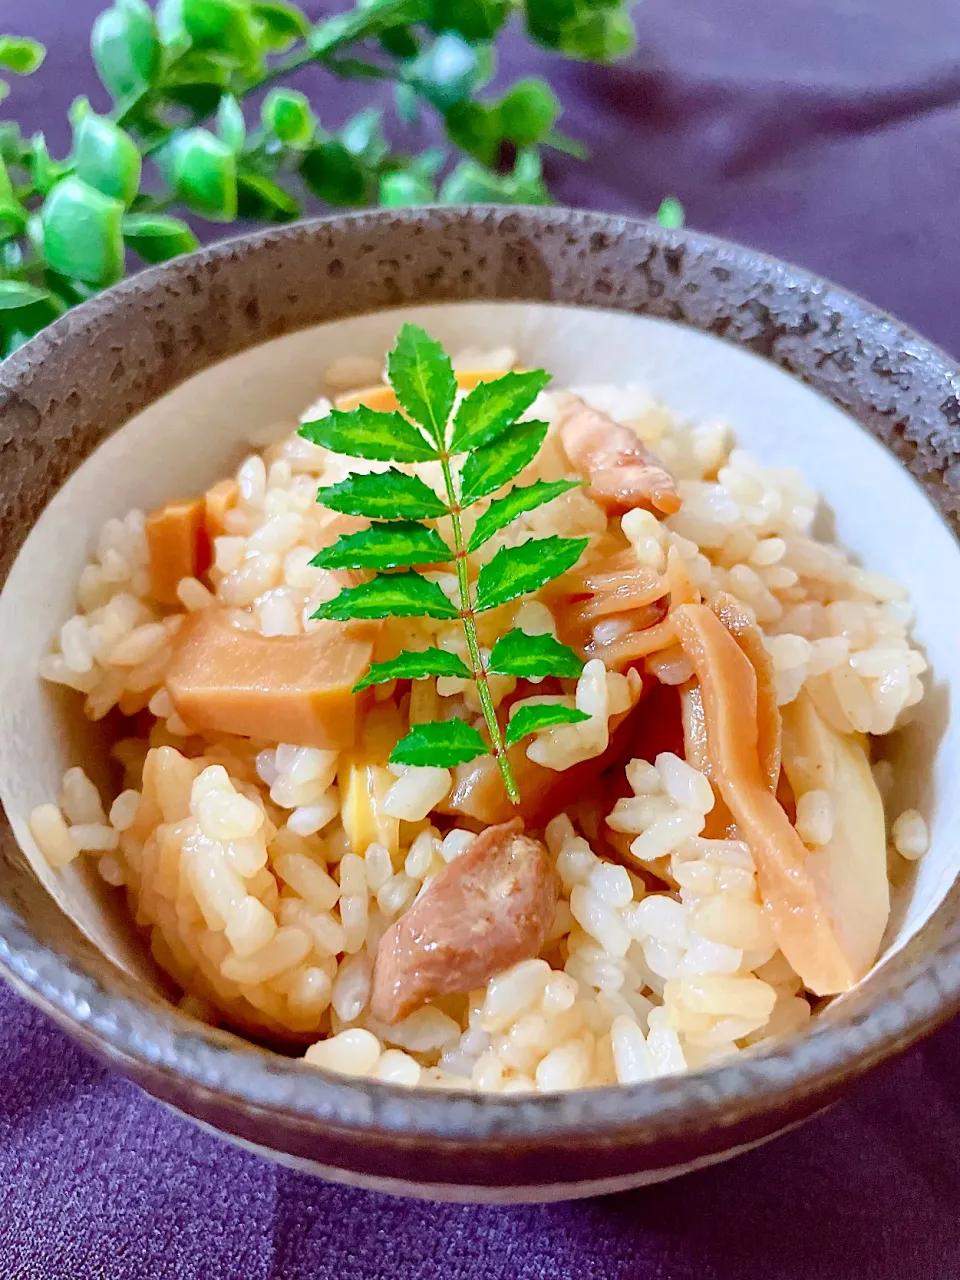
point(265, 874)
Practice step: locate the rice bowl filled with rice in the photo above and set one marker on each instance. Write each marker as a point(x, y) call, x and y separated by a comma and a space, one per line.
point(707, 867)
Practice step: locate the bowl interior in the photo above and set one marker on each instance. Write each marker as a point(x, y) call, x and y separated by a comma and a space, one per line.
point(200, 431)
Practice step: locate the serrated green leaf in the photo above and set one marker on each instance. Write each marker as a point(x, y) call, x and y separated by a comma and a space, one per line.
point(385, 546)
point(157, 237)
point(367, 433)
point(388, 495)
point(491, 407)
point(541, 715)
point(503, 511)
point(416, 666)
point(423, 380)
point(21, 55)
point(125, 47)
point(442, 744)
point(395, 595)
point(516, 571)
point(518, 654)
point(489, 468)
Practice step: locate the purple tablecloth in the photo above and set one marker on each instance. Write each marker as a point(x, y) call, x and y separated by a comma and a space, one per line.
point(827, 131)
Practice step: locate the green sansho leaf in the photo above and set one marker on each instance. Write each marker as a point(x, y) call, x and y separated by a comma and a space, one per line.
point(529, 719)
point(516, 571)
point(396, 595)
point(442, 744)
point(401, 190)
point(447, 72)
point(416, 666)
point(519, 654)
point(21, 55)
point(423, 380)
point(503, 511)
point(492, 407)
point(387, 495)
point(260, 197)
point(385, 546)
point(489, 468)
point(157, 237)
point(529, 111)
point(367, 433)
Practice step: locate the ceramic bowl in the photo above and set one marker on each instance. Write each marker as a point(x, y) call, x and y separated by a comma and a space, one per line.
point(152, 389)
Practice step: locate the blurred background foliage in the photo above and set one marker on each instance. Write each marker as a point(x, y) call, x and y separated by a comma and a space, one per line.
point(205, 124)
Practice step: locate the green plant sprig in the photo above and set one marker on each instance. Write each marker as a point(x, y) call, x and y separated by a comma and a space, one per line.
point(179, 135)
point(480, 448)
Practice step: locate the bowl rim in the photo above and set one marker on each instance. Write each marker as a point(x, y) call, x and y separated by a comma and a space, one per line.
point(146, 1039)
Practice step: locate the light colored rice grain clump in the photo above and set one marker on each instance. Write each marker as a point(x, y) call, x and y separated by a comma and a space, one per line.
point(265, 874)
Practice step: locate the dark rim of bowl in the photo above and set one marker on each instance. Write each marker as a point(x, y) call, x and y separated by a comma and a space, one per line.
point(150, 1040)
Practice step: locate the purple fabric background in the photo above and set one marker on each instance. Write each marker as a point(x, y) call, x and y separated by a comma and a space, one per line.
point(828, 132)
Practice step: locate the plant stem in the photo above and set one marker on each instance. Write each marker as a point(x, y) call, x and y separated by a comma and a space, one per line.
point(470, 631)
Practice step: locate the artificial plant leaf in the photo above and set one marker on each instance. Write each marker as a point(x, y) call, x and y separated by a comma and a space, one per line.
point(670, 214)
point(231, 127)
point(530, 718)
point(404, 190)
point(283, 24)
point(516, 571)
point(423, 380)
point(203, 171)
point(447, 72)
point(416, 666)
point(104, 155)
point(366, 433)
point(156, 237)
point(15, 294)
point(125, 47)
point(334, 175)
point(395, 545)
point(488, 468)
point(385, 495)
point(82, 234)
point(503, 511)
point(260, 197)
point(21, 55)
point(526, 656)
point(475, 20)
point(491, 407)
point(441, 744)
point(529, 111)
point(287, 115)
point(394, 595)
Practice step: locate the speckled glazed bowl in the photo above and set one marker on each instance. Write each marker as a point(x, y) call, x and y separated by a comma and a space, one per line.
point(96, 414)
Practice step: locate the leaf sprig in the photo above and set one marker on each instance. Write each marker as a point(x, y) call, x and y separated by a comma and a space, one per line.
point(480, 446)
